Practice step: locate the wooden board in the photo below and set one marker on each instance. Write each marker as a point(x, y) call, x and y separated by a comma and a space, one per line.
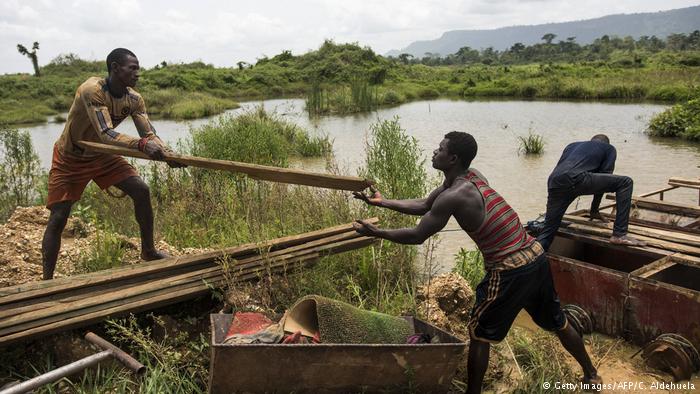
point(681, 182)
point(651, 242)
point(32, 290)
point(266, 173)
point(666, 235)
point(663, 206)
point(75, 311)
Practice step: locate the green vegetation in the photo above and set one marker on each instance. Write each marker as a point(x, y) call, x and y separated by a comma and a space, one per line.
point(470, 265)
point(532, 144)
point(346, 78)
point(20, 171)
point(106, 252)
point(681, 120)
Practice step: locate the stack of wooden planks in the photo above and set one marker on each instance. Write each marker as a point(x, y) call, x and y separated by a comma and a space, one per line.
point(661, 240)
point(39, 308)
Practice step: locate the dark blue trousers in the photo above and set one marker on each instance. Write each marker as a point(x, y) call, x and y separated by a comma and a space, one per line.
point(569, 188)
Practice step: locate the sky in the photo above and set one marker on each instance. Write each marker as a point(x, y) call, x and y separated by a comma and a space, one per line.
point(225, 32)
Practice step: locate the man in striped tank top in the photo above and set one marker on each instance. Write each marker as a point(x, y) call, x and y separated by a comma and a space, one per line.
point(517, 270)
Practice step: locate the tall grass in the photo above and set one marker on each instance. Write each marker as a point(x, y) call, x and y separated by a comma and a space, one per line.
point(532, 144)
point(357, 96)
point(470, 265)
point(106, 252)
point(20, 171)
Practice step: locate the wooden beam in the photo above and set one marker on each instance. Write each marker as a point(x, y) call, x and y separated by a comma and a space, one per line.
point(663, 206)
point(266, 173)
point(654, 242)
point(42, 306)
point(682, 182)
point(31, 290)
point(653, 267)
point(169, 292)
point(672, 236)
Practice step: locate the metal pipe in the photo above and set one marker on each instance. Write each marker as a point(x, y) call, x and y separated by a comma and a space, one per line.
point(119, 354)
point(58, 373)
point(108, 350)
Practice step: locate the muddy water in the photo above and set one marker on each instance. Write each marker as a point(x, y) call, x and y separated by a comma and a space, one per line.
point(495, 125)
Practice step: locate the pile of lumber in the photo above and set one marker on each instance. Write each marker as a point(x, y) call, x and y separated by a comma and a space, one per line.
point(661, 240)
point(35, 309)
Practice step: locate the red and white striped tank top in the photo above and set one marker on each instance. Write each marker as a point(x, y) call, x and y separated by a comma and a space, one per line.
point(501, 234)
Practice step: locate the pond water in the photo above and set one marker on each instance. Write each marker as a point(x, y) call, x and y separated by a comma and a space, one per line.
point(495, 125)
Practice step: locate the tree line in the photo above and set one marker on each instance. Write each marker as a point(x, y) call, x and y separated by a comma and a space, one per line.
point(566, 50)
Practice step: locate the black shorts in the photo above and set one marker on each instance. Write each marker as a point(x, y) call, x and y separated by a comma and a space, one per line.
point(502, 294)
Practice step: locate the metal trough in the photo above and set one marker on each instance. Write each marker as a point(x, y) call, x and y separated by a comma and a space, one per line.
point(630, 293)
point(333, 367)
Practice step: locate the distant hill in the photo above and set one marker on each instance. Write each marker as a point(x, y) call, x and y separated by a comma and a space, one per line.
point(660, 24)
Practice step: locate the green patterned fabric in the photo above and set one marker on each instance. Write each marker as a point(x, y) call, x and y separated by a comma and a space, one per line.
point(340, 322)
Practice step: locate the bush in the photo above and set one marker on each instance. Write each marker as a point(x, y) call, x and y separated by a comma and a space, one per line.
point(391, 97)
point(20, 171)
point(258, 137)
point(682, 120)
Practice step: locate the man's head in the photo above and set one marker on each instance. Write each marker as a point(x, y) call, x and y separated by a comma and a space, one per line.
point(457, 149)
point(601, 138)
point(123, 65)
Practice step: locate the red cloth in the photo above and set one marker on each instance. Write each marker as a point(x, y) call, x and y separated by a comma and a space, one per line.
point(248, 323)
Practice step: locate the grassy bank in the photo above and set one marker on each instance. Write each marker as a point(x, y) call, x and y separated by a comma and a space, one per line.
point(345, 78)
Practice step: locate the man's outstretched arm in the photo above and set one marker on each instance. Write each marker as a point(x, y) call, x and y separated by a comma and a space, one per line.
point(432, 222)
point(419, 206)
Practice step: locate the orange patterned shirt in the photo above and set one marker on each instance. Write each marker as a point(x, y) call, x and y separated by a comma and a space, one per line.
point(94, 115)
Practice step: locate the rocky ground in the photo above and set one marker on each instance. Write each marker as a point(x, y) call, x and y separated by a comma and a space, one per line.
point(20, 246)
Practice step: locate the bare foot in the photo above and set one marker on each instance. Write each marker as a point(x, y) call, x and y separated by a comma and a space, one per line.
point(627, 240)
point(592, 383)
point(153, 255)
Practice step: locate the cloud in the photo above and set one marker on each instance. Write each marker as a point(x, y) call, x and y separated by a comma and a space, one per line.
point(223, 33)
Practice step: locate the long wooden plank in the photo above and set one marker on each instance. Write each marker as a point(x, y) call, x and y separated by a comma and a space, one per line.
point(672, 236)
point(605, 242)
point(167, 297)
point(43, 288)
point(28, 311)
point(663, 206)
point(122, 272)
point(684, 182)
point(657, 243)
point(267, 173)
point(117, 294)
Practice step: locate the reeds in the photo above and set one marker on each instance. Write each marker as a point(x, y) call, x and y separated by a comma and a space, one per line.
point(532, 144)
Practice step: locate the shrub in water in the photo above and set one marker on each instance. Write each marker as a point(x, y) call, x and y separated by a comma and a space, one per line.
point(533, 144)
point(682, 120)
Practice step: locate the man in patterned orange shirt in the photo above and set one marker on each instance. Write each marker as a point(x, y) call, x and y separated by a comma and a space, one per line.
point(99, 106)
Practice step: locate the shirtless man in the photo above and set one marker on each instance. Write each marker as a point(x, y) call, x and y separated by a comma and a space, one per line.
point(517, 270)
point(99, 106)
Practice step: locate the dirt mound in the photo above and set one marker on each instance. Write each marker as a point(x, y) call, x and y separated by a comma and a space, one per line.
point(446, 302)
point(20, 246)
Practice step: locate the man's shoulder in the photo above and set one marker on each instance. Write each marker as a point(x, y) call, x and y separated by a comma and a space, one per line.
point(133, 95)
point(92, 86)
